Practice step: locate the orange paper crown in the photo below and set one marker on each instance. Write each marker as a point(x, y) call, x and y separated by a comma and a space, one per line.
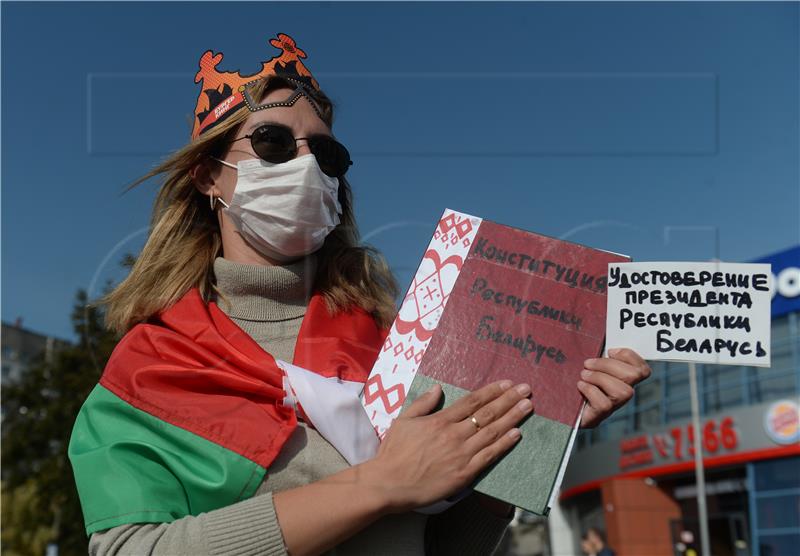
point(222, 93)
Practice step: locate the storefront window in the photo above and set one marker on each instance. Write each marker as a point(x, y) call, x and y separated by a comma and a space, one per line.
point(649, 391)
point(677, 391)
point(648, 417)
point(722, 387)
point(782, 377)
point(648, 399)
point(616, 426)
point(776, 501)
point(772, 383)
point(679, 407)
point(778, 512)
point(775, 545)
point(778, 474)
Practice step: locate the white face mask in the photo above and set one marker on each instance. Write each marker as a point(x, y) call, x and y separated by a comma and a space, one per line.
point(284, 210)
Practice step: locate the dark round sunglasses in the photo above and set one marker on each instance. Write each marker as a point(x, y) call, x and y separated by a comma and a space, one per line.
point(275, 143)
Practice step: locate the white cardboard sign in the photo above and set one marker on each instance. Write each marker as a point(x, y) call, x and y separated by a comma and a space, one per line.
point(686, 311)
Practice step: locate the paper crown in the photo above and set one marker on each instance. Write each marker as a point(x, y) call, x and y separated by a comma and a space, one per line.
point(223, 92)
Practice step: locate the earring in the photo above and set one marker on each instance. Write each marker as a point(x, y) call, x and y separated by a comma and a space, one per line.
point(213, 200)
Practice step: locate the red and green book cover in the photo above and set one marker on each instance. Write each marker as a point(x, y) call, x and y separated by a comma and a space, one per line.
point(490, 302)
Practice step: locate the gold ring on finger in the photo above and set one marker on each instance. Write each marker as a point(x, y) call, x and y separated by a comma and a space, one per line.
point(475, 422)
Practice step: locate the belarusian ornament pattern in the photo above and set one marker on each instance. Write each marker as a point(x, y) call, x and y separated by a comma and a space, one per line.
point(385, 389)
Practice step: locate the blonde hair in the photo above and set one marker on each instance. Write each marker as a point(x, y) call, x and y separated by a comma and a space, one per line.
point(184, 240)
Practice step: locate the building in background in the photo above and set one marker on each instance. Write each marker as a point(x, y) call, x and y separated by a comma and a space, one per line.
point(22, 348)
point(633, 477)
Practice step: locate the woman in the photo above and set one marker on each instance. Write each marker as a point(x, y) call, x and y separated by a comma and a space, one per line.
point(188, 445)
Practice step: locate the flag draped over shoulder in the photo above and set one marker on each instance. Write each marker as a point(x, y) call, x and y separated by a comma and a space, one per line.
point(188, 413)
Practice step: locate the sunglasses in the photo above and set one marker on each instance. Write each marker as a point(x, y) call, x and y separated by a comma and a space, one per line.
point(275, 143)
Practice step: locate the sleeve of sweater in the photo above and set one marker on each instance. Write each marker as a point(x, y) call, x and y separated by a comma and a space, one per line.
point(465, 528)
point(249, 527)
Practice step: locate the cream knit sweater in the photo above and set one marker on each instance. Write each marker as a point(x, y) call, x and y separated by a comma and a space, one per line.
point(268, 303)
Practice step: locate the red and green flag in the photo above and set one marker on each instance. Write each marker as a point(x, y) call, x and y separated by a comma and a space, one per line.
point(189, 414)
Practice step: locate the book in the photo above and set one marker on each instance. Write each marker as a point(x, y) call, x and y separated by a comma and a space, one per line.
point(490, 302)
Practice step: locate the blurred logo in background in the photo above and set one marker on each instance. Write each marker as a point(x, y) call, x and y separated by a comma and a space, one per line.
point(785, 280)
point(782, 422)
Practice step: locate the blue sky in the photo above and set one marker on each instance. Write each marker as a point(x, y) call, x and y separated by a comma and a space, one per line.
point(644, 128)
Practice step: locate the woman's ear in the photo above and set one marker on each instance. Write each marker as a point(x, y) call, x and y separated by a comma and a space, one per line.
point(202, 179)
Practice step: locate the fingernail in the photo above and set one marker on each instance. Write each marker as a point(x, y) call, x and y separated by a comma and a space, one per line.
point(505, 385)
point(524, 389)
point(524, 405)
point(613, 351)
point(586, 373)
point(513, 434)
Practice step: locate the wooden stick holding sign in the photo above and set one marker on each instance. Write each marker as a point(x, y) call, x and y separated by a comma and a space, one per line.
point(704, 312)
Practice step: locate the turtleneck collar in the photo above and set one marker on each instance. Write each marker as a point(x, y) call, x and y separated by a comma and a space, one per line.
point(263, 292)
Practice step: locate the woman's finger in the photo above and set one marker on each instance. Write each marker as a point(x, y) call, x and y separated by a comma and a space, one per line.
point(627, 355)
point(595, 397)
point(632, 358)
point(491, 433)
point(493, 451)
point(620, 369)
point(472, 402)
point(424, 404)
point(615, 389)
point(492, 411)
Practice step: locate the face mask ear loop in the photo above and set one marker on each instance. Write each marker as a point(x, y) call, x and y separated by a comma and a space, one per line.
point(214, 198)
point(213, 202)
point(226, 163)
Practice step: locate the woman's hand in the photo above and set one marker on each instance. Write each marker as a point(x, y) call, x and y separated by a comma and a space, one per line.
point(425, 458)
point(608, 383)
point(422, 459)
